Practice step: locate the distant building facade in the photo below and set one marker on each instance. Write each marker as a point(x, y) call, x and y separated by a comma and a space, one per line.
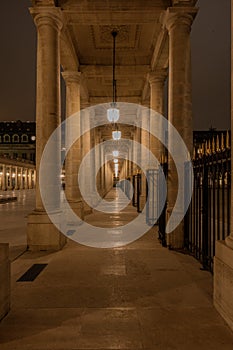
point(18, 140)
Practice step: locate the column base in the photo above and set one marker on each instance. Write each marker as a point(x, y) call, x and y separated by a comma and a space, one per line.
point(77, 207)
point(223, 281)
point(175, 239)
point(42, 234)
point(87, 210)
point(142, 201)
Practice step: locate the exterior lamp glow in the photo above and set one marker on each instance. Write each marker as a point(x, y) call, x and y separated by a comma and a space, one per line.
point(116, 135)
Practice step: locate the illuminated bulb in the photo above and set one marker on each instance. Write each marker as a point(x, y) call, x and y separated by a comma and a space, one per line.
point(113, 115)
point(116, 135)
point(115, 153)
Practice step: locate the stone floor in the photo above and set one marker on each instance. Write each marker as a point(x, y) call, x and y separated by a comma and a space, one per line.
point(140, 296)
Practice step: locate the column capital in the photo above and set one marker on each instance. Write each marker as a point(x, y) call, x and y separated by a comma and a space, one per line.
point(85, 103)
point(47, 15)
point(157, 76)
point(184, 2)
point(72, 77)
point(177, 16)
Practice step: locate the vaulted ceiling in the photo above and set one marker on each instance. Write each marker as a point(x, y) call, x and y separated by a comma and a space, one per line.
point(140, 44)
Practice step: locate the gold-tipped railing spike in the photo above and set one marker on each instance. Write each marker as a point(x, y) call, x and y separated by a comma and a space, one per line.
point(209, 147)
point(222, 142)
point(202, 149)
point(217, 144)
point(213, 145)
point(194, 153)
point(227, 140)
point(206, 148)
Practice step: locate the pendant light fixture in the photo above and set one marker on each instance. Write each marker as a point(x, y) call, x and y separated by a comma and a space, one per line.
point(116, 135)
point(115, 153)
point(113, 113)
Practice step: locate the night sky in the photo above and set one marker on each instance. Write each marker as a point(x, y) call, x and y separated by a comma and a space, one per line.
point(210, 63)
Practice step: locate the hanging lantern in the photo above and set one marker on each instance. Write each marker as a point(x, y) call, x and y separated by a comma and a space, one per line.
point(113, 115)
point(115, 153)
point(116, 135)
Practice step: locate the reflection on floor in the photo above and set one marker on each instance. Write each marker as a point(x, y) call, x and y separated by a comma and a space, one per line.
point(140, 296)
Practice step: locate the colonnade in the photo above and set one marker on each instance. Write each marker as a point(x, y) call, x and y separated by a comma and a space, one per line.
point(177, 22)
point(16, 177)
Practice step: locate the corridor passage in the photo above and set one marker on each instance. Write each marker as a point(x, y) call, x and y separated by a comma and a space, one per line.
point(140, 296)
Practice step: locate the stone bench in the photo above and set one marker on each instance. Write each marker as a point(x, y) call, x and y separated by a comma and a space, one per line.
point(4, 280)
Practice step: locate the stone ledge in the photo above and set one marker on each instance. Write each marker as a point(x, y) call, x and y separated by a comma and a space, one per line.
point(223, 282)
point(4, 280)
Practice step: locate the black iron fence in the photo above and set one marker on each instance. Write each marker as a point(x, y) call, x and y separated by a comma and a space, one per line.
point(154, 199)
point(208, 216)
point(137, 191)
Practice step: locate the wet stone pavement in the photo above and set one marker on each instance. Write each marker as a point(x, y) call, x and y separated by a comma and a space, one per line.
point(139, 296)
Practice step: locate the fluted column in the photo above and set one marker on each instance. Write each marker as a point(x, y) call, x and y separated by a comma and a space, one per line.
point(156, 81)
point(178, 23)
point(42, 234)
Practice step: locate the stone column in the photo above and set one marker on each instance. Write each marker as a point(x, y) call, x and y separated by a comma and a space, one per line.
point(156, 81)
point(26, 178)
point(30, 178)
point(102, 159)
point(145, 142)
point(135, 153)
point(10, 178)
point(42, 234)
point(16, 178)
point(97, 163)
point(223, 261)
point(178, 22)
point(4, 177)
point(21, 178)
point(73, 158)
point(87, 181)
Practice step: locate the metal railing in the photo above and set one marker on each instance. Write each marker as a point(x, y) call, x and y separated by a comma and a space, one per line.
point(208, 216)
